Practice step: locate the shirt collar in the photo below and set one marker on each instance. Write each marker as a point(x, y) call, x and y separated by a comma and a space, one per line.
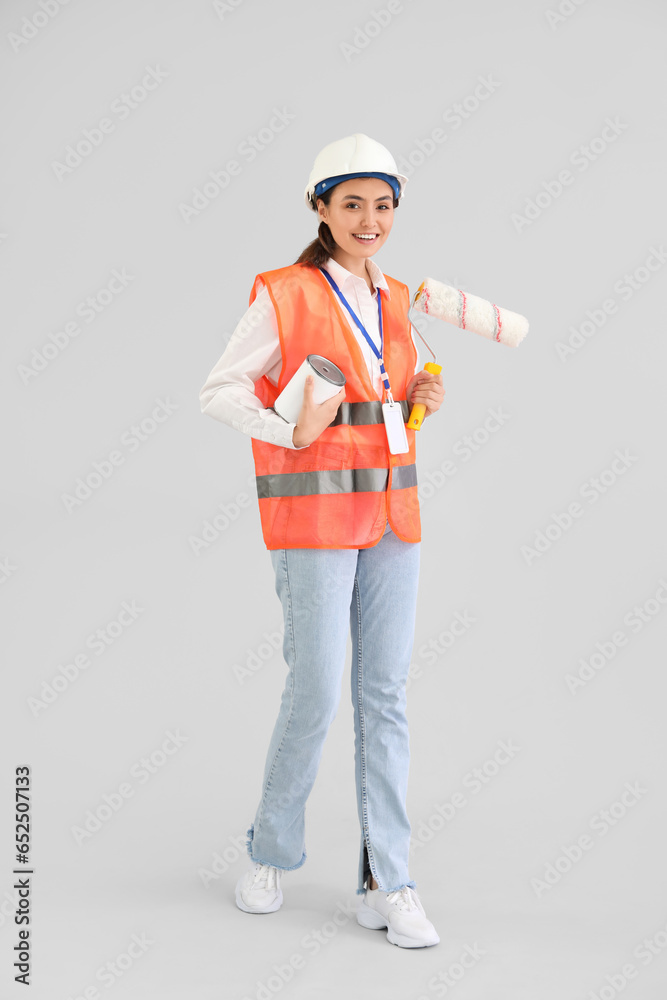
point(342, 276)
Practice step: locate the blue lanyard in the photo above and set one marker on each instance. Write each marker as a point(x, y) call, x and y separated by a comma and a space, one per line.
point(373, 345)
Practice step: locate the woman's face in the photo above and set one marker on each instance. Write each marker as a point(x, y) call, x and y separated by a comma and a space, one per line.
point(360, 215)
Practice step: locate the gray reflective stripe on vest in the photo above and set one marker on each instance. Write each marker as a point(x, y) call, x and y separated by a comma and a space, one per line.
point(301, 484)
point(358, 414)
point(404, 476)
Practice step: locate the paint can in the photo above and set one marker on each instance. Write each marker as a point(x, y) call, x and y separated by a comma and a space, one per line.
point(328, 380)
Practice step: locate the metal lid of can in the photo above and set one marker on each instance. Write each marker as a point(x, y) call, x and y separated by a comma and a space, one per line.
point(326, 369)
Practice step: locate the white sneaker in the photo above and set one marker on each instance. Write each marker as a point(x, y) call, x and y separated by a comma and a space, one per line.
point(402, 913)
point(258, 891)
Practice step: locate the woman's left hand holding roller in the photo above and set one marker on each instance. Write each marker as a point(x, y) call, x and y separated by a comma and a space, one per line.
point(426, 389)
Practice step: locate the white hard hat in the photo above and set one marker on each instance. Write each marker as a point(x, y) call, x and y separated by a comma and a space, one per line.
point(355, 156)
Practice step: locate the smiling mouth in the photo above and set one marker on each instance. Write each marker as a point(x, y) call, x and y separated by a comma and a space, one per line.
point(366, 237)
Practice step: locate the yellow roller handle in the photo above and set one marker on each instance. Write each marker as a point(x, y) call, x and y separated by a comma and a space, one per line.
point(419, 410)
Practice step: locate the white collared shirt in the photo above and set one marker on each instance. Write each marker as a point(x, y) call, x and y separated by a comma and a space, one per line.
point(254, 350)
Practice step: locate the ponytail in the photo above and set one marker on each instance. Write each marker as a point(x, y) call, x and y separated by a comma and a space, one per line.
point(318, 252)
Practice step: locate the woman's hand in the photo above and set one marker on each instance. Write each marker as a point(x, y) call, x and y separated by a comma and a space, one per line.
point(427, 389)
point(314, 417)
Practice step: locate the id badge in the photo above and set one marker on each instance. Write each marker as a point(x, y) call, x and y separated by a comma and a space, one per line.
point(395, 427)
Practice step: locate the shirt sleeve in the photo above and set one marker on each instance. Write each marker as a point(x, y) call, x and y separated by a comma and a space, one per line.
point(228, 394)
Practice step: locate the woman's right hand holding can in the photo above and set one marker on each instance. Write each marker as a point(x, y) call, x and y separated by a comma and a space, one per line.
point(314, 417)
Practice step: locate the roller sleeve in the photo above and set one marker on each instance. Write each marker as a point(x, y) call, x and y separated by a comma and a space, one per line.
point(469, 312)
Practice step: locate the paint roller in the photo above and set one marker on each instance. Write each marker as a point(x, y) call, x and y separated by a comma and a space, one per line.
point(468, 312)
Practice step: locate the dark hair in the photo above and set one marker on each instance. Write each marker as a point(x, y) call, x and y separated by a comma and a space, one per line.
point(318, 252)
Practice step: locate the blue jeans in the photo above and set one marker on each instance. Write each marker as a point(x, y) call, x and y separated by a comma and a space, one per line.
point(325, 592)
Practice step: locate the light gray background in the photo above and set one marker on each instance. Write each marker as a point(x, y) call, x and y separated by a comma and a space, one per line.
point(175, 668)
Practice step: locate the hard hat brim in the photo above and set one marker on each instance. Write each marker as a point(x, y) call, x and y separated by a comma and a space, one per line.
point(309, 193)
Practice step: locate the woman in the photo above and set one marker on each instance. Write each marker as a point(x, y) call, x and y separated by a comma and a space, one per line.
point(340, 516)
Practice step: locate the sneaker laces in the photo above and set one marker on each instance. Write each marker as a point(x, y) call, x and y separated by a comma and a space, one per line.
point(403, 899)
point(265, 877)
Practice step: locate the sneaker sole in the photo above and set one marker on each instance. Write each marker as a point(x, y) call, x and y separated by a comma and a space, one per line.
point(275, 905)
point(406, 942)
point(370, 918)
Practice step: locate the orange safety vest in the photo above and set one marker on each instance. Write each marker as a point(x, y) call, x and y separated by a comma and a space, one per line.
point(339, 492)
